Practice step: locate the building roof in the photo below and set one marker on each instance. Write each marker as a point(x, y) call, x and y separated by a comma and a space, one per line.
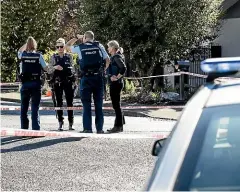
point(228, 4)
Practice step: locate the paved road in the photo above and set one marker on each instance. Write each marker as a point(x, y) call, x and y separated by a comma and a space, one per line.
point(77, 164)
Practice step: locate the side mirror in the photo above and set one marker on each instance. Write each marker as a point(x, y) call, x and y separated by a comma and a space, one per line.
point(157, 146)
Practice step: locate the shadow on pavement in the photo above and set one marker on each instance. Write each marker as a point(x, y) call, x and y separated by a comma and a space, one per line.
point(13, 139)
point(9, 103)
point(40, 144)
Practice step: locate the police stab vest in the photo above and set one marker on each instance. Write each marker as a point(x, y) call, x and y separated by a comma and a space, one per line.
point(91, 60)
point(31, 67)
point(65, 63)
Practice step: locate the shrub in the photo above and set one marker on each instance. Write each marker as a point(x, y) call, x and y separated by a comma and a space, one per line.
point(129, 86)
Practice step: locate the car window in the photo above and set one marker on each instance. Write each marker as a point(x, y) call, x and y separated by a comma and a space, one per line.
point(216, 150)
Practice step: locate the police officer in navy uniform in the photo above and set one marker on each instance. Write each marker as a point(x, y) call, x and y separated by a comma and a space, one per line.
point(63, 79)
point(94, 60)
point(31, 67)
point(116, 71)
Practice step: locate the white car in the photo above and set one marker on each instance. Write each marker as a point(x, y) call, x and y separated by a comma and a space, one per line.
point(203, 150)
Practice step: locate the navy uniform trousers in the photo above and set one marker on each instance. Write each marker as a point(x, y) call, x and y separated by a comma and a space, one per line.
point(92, 85)
point(30, 90)
point(65, 86)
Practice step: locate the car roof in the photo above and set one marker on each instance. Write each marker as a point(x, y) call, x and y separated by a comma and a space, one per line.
point(224, 92)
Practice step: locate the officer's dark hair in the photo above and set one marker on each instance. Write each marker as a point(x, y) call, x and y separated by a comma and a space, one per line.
point(31, 44)
point(89, 35)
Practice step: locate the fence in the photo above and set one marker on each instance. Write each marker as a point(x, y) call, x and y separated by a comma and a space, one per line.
point(196, 56)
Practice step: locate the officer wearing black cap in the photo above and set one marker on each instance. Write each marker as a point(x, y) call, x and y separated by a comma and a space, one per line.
point(63, 79)
point(31, 67)
point(94, 60)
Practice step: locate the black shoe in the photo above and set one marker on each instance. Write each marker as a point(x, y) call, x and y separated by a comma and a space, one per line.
point(100, 132)
point(71, 127)
point(121, 128)
point(60, 128)
point(116, 129)
point(86, 131)
point(124, 120)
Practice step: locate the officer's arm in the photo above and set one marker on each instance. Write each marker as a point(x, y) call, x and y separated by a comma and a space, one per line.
point(72, 64)
point(23, 48)
point(121, 65)
point(43, 63)
point(107, 60)
point(51, 64)
point(70, 43)
point(105, 57)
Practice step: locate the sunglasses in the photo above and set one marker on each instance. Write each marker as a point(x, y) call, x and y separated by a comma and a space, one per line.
point(59, 47)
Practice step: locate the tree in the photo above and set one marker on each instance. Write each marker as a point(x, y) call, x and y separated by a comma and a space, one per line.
point(151, 31)
point(23, 18)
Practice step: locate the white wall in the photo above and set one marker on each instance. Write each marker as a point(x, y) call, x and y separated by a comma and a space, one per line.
point(229, 38)
point(167, 70)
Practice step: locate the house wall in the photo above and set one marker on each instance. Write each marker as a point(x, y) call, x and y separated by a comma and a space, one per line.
point(170, 79)
point(229, 37)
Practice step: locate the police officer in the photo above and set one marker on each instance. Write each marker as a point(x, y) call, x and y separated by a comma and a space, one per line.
point(63, 79)
point(31, 66)
point(116, 71)
point(92, 55)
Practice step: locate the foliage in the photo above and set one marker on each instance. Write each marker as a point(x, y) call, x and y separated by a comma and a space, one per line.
point(143, 97)
point(129, 86)
point(150, 30)
point(23, 18)
point(48, 54)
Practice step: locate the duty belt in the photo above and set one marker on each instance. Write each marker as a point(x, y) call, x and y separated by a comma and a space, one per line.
point(32, 77)
point(90, 73)
point(61, 79)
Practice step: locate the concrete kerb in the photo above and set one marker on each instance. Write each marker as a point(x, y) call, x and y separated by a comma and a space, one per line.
point(130, 113)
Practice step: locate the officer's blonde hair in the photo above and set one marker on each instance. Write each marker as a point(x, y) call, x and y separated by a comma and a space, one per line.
point(31, 44)
point(61, 40)
point(120, 50)
point(114, 44)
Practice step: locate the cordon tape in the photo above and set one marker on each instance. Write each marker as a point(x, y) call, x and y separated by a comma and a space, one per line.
point(148, 77)
point(34, 133)
point(13, 108)
point(170, 74)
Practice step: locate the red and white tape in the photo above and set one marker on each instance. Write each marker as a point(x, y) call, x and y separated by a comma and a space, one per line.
point(40, 133)
point(12, 108)
point(9, 84)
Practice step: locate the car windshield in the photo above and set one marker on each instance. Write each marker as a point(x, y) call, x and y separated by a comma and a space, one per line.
point(212, 161)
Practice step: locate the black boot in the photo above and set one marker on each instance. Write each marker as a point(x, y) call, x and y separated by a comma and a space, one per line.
point(116, 129)
point(124, 120)
point(86, 131)
point(60, 128)
point(71, 127)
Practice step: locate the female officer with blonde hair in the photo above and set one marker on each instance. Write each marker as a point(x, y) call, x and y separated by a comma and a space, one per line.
point(31, 67)
point(116, 71)
point(63, 78)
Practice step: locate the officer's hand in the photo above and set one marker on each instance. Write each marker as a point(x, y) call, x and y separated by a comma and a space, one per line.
point(79, 36)
point(58, 67)
point(114, 78)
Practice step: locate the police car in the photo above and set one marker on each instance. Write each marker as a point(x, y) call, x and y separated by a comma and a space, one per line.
point(203, 150)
